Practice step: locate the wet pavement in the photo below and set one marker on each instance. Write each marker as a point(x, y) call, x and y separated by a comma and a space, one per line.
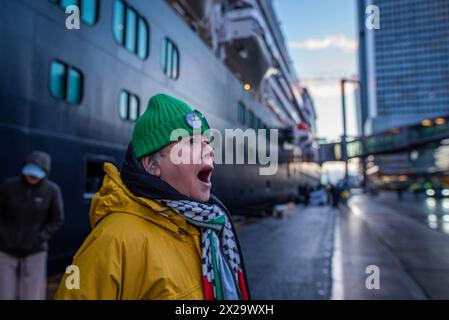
point(420, 250)
point(325, 253)
point(430, 211)
point(290, 258)
point(360, 244)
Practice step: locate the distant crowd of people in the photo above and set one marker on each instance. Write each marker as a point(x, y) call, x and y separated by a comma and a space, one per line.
point(331, 194)
point(428, 187)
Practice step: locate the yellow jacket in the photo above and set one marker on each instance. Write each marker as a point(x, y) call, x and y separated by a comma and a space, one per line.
point(137, 249)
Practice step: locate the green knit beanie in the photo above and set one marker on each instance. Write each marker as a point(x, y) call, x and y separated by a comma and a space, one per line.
point(163, 115)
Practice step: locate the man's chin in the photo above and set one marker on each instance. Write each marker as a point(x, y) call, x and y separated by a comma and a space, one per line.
point(202, 196)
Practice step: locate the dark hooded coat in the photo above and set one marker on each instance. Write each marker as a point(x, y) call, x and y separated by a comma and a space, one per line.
point(29, 214)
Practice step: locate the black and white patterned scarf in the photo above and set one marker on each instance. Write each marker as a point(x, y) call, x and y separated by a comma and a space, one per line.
point(221, 260)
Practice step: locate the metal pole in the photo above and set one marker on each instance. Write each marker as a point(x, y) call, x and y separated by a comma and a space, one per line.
point(362, 107)
point(343, 138)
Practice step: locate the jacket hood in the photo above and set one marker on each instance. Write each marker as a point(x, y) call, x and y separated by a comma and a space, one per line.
point(41, 159)
point(114, 196)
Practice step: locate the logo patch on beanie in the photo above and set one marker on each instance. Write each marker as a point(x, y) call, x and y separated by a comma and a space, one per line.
point(193, 121)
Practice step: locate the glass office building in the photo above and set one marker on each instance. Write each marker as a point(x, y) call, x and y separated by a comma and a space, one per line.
point(404, 65)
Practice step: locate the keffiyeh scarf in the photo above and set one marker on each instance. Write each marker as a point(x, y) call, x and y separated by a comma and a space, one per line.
point(223, 277)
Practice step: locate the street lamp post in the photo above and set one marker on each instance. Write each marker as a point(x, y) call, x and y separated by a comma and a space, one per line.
point(344, 136)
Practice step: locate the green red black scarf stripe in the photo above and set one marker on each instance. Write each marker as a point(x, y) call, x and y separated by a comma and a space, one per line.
point(221, 258)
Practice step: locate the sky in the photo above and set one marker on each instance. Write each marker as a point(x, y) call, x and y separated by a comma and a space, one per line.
point(321, 36)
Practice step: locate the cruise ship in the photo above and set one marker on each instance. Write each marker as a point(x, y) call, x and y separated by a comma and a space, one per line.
point(76, 93)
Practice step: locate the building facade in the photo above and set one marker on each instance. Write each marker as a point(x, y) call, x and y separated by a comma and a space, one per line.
point(404, 65)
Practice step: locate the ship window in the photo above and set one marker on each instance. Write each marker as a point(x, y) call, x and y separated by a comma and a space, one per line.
point(65, 3)
point(170, 59)
point(129, 106)
point(74, 86)
point(142, 43)
point(57, 79)
point(88, 9)
point(175, 64)
point(251, 119)
point(66, 82)
point(123, 105)
point(119, 21)
point(94, 173)
point(130, 29)
point(133, 108)
point(241, 110)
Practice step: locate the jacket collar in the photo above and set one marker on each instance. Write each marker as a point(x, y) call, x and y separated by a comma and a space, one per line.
point(114, 196)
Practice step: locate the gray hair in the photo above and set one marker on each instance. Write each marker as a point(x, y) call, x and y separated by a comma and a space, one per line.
point(153, 159)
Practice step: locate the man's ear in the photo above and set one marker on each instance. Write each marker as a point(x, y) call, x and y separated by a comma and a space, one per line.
point(151, 166)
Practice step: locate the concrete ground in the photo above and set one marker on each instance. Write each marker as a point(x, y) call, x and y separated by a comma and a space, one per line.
point(290, 257)
point(325, 253)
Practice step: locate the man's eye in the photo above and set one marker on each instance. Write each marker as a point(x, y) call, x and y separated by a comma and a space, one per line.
point(192, 141)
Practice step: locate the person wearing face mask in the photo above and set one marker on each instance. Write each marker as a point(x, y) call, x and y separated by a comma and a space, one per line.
point(158, 232)
point(31, 210)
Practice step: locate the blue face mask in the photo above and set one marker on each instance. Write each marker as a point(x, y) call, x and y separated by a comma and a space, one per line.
point(33, 170)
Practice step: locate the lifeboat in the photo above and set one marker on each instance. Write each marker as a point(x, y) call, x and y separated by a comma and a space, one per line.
point(246, 49)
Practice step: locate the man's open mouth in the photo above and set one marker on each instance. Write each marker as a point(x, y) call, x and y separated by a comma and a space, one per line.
point(205, 174)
